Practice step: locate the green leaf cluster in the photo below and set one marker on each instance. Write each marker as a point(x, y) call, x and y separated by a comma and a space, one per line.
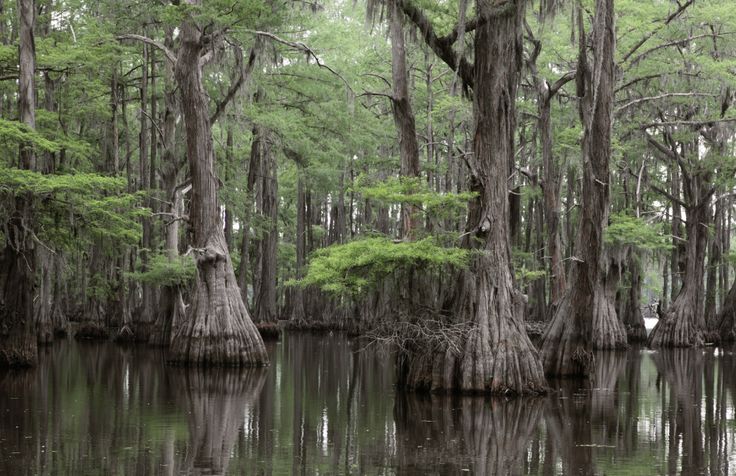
point(355, 267)
point(165, 271)
point(625, 229)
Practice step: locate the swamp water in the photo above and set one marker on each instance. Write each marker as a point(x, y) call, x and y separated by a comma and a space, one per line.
point(324, 408)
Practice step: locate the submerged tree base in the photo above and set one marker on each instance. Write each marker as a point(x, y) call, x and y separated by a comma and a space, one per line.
point(609, 332)
point(492, 354)
point(45, 333)
point(269, 331)
point(92, 331)
point(564, 346)
point(677, 328)
point(217, 329)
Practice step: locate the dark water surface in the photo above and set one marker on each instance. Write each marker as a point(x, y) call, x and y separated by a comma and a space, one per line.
point(323, 408)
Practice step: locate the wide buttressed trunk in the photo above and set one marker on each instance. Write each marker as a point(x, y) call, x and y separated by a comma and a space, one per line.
point(218, 329)
point(496, 356)
point(608, 331)
point(683, 324)
point(567, 343)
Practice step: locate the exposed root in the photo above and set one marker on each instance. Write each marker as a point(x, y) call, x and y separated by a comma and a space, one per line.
point(125, 334)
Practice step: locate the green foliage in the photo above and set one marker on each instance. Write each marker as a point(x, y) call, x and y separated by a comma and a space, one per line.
point(68, 204)
point(416, 192)
point(355, 267)
point(164, 271)
point(632, 231)
point(16, 133)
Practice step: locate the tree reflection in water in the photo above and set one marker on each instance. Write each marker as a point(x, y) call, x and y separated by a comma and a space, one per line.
point(216, 401)
point(325, 407)
point(446, 435)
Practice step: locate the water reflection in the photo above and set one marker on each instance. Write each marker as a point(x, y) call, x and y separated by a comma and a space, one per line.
point(471, 434)
point(325, 408)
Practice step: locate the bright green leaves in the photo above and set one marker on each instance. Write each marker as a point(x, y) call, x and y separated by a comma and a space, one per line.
point(415, 192)
point(67, 205)
point(164, 271)
point(632, 231)
point(355, 267)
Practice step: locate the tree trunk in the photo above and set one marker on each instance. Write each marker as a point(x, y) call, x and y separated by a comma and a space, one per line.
point(609, 332)
point(403, 114)
point(264, 306)
point(567, 342)
point(17, 261)
point(632, 318)
point(171, 310)
point(683, 324)
point(552, 204)
point(714, 259)
point(298, 316)
point(218, 329)
point(496, 354)
point(254, 171)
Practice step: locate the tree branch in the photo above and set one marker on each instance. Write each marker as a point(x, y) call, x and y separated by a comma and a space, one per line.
point(298, 45)
point(243, 77)
point(667, 21)
point(442, 47)
point(661, 96)
point(668, 195)
point(167, 52)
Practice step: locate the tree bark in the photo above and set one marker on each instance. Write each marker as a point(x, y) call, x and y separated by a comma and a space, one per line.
point(171, 310)
point(496, 356)
point(566, 344)
point(218, 329)
point(17, 262)
point(264, 305)
point(403, 114)
point(298, 316)
point(683, 324)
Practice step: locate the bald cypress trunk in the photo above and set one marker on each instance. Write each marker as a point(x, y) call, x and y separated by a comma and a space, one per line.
point(567, 343)
point(264, 304)
point(403, 113)
point(683, 325)
point(298, 316)
point(218, 329)
point(496, 354)
point(18, 261)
